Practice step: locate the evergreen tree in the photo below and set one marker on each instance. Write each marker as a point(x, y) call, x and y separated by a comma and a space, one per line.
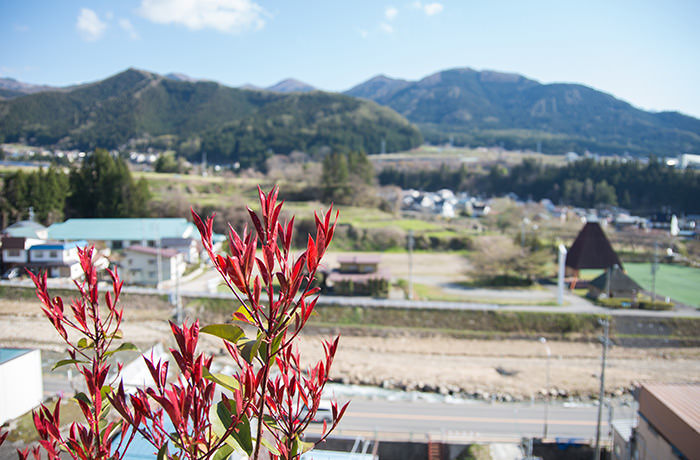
point(44, 191)
point(103, 187)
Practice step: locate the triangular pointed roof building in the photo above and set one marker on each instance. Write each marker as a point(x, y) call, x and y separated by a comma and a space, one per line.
point(591, 249)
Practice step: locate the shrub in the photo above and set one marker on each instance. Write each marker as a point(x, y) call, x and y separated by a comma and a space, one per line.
point(271, 399)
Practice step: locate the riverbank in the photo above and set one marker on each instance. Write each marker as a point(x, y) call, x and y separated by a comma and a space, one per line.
point(434, 362)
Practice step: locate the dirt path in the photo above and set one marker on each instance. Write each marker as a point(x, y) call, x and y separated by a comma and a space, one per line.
point(437, 363)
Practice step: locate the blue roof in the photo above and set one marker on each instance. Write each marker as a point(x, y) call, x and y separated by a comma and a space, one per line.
point(6, 354)
point(59, 246)
point(122, 229)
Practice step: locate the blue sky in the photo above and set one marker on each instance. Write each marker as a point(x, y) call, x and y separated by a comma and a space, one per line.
point(644, 52)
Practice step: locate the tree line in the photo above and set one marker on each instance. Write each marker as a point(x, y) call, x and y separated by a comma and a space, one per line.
point(101, 187)
point(642, 187)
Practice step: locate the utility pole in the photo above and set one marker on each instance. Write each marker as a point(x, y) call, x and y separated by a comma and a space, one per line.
point(654, 268)
point(546, 401)
point(606, 325)
point(410, 264)
point(179, 314)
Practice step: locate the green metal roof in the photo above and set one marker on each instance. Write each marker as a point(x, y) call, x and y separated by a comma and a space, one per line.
point(122, 229)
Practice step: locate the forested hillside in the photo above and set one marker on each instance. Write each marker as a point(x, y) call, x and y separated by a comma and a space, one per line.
point(143, 109)
point(475, 108)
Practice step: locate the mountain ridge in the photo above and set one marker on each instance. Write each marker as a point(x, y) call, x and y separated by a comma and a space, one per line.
point(465, 106)
point(488, 107)
point(141, 108)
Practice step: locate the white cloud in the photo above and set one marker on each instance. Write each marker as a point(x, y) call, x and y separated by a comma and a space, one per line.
point(429, 9)
point(390, 12)
point(432, 8)
point(363, 33)
point(386, 28)
point(89, 25)
point(222, 15)
point(129, 28)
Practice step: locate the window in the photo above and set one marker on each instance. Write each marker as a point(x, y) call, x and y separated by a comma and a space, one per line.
point(135, 243)
point(13, 252)
point(53, 254)
point(151, 261)
point(117, 244)
point(39, 254)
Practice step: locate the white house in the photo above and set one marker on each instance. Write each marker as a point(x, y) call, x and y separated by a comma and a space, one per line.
point(15, 250)
point(21, 383)
point(59, 259)
point(118, 234)
point(141, 265)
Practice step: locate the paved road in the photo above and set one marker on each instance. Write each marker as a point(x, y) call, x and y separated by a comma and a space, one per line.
point(202, 287)
point(471, 421)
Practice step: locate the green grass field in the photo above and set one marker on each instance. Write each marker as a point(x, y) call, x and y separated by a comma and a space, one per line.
point(674, 281)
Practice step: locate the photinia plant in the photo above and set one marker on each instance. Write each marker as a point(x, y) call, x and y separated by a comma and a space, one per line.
point(275, 296)
point(264, 407)
point(97, 326)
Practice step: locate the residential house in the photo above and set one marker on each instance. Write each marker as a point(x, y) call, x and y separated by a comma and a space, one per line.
point(27, 229)
point(359, 275)
point(15, 250)
point(668, 424)
point(480, 209)
point(188, 247)
point(119, 234)
point(140, 265)
point(59, 260)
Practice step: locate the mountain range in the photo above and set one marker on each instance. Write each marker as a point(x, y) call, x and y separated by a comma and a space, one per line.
point(139, 109)
point(460, 106)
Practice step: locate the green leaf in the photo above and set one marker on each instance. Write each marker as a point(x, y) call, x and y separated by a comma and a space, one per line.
point(65, 362)
point(123, 347)
point(85, 343)
point(249, 348)
point(299, 446)
point(223, 453)
point(221, 419)
point(82, 397)
point(118, 334)
point(275, 346)
point(228, 332)
point(243, 436)
point(163, 452)
point(242, 310)
point(270, 421)
point(226, 381)
point(270, 446)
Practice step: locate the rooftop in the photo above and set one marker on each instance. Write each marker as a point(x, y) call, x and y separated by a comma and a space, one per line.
point(58, 246)
point(152, 251)
point(122, 229)
point(7, 354)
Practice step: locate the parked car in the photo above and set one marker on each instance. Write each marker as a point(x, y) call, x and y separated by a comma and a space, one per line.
point(12, 273)
point(324, 413)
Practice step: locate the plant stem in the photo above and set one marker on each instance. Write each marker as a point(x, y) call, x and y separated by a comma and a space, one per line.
point(261, 409)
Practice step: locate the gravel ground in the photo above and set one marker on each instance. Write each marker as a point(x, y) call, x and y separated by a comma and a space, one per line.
point(438, 363)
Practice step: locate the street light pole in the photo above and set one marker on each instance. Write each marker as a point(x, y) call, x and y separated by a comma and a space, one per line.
point(547, 396)
point(606, 324)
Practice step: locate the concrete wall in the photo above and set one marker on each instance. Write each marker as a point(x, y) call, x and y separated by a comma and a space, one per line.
point(21, 386)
